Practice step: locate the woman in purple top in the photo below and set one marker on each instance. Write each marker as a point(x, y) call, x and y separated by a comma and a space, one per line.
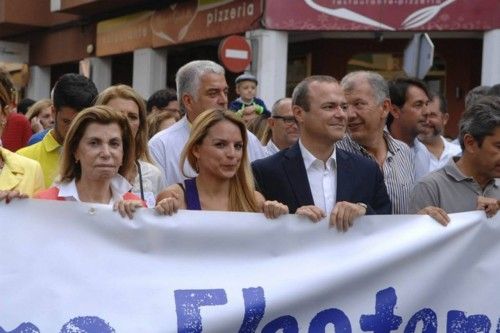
point(216, 149)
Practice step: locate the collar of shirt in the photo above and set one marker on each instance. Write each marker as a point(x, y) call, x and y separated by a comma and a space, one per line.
point(49, 141)
point(119, 186)
point(311, 161)
point(418, 145)
point(453, 171)
point(184, 121)
point(271, 147)
point(239, 99)
point(350, 142)
point(322, 179)
point(11, 162)
point(392, 147)
point(426, 162)
point(450, 149)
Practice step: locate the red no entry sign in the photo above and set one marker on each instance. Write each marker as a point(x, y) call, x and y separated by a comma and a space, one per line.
point(235, 53)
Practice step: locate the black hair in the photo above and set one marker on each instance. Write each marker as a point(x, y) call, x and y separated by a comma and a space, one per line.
point(398, 89)
point(24, 105)
point(161, 98)
point(74, 91)
point(443, 104)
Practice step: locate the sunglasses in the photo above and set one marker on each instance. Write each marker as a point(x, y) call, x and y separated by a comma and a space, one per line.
point(289, 120)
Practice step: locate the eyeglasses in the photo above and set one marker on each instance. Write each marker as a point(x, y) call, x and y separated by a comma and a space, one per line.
point(288, 120)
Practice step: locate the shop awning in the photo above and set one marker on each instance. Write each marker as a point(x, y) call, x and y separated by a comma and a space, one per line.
point(383, 15)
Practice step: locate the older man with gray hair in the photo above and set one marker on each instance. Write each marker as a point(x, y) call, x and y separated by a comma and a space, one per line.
point(474, 94)
point(201, 85)
point(367, 94)
point(472, 181)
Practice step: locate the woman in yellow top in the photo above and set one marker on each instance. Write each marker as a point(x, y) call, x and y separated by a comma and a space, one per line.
point(19, 176)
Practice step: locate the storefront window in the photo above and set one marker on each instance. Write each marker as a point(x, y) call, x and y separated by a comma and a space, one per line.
point(390, 65)
point(298, 68)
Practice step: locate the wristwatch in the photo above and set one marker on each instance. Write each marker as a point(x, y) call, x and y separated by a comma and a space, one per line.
point(365, 206)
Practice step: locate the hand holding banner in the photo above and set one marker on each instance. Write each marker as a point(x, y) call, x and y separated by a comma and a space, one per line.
point(67, 265)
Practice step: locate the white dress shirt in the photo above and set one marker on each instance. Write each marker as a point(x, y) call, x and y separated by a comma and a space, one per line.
point(426, 162)
point(271, 148)
point(166, 147)
point(322, 178)
point(119, 186)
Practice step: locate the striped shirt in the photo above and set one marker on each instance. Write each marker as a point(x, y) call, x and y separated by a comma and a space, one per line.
point(398, 169)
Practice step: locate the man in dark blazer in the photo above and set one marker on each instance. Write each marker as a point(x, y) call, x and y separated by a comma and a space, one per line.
point(312, 173)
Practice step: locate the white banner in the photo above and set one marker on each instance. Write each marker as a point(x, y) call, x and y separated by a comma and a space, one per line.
point(69, 267)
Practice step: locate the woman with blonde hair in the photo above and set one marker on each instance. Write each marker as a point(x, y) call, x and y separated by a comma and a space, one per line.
point(41, 115)
point(217, 150)
point(20, 177)
point(145, 177)
point(98, 153)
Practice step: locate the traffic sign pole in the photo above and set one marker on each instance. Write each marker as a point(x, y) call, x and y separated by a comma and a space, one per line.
point(419, 56)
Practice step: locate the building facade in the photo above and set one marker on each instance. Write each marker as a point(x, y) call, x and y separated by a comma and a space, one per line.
point(143, 42)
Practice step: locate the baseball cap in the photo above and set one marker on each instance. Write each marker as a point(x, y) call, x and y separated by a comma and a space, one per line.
point(246, 77)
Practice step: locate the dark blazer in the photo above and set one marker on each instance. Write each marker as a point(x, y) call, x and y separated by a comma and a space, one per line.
point(283, 177)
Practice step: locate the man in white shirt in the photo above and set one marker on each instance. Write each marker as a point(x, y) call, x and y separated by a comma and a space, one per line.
point(312, 177)
point(201, 85)
point(283, 127)
point(432, 150)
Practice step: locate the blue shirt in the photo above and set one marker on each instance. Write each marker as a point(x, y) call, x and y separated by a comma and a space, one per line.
point(37, 137)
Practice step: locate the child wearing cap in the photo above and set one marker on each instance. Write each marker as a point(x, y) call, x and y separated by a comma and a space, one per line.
point(247, 105)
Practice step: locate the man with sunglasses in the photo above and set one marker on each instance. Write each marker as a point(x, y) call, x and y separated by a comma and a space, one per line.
point(283, 126)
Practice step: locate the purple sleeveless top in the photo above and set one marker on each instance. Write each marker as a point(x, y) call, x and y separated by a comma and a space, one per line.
point(191, 195)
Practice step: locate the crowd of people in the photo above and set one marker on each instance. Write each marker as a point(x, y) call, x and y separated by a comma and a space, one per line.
point(334, 149)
